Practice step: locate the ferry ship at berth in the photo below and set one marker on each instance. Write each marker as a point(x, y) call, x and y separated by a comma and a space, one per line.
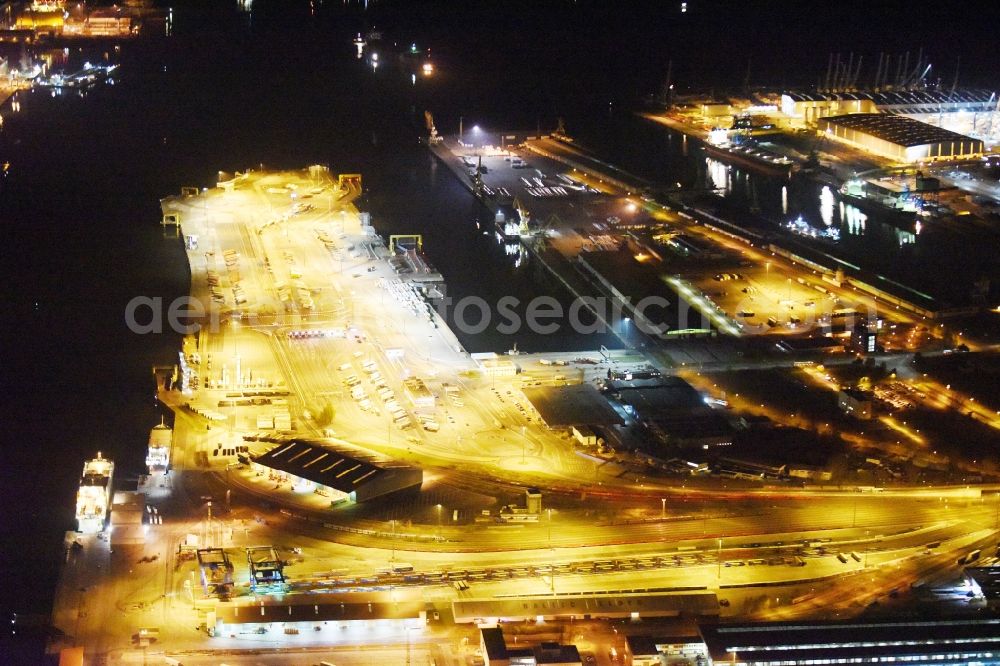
point(94, 497)
point(751, 157)
point(161, 438)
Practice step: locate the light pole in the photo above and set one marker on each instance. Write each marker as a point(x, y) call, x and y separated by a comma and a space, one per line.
point(438, 507)
point(718, 558)
point(460, 119)
point(663, 508)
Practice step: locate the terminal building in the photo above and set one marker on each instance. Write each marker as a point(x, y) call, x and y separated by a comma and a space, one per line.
point(338, 471)
point(899, 138)
point(335, 618)
point(496, 652)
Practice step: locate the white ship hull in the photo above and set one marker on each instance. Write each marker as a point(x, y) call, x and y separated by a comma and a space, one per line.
point(158, 453)
point(93, 499)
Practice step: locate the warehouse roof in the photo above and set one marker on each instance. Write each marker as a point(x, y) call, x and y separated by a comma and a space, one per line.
point(671, 395)
point(321, 609)
point(579, 404)
point(702, 425)
point(802, 641)
point(649, 646)
point(697, 603)
point(335, 466)
point(900, 98)
point(899, 130)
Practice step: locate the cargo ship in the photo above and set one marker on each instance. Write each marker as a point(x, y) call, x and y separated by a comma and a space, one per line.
point(94, 497)
point(158, 454)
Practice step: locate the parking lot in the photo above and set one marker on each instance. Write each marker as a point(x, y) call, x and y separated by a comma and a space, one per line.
point(764, 299)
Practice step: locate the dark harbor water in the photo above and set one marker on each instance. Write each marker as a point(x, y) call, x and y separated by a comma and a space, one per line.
point(280, 87)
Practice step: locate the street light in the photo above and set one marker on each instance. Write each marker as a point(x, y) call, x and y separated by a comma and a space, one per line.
point(663, 507)
point(718, 558)
point(475, 138)
point(392, 555)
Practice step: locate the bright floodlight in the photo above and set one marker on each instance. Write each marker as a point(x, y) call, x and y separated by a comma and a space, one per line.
point(475, 128)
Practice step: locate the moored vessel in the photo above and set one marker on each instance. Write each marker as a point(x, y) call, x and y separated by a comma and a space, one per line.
point(161, 438)
point(93, 499)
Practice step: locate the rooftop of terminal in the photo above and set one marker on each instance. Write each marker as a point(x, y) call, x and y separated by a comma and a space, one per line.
point(896, 129)
point(347, 469)
point(898, 98)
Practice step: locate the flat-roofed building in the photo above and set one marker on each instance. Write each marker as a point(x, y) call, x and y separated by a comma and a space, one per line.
point(659, 649)
point(326, 616)
point(812, 106)
point(108, 22)
point(985, 581)
point(492, 364)
point(674, 412)
point(938, 642)
point(40, 21)
point(899, 138)
point(496, 652)
point(574, 405)
point(127, 511)
point(856, 403)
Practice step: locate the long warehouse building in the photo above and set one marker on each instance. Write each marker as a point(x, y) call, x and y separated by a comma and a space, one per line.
point(900, 138)
point(933, 642)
